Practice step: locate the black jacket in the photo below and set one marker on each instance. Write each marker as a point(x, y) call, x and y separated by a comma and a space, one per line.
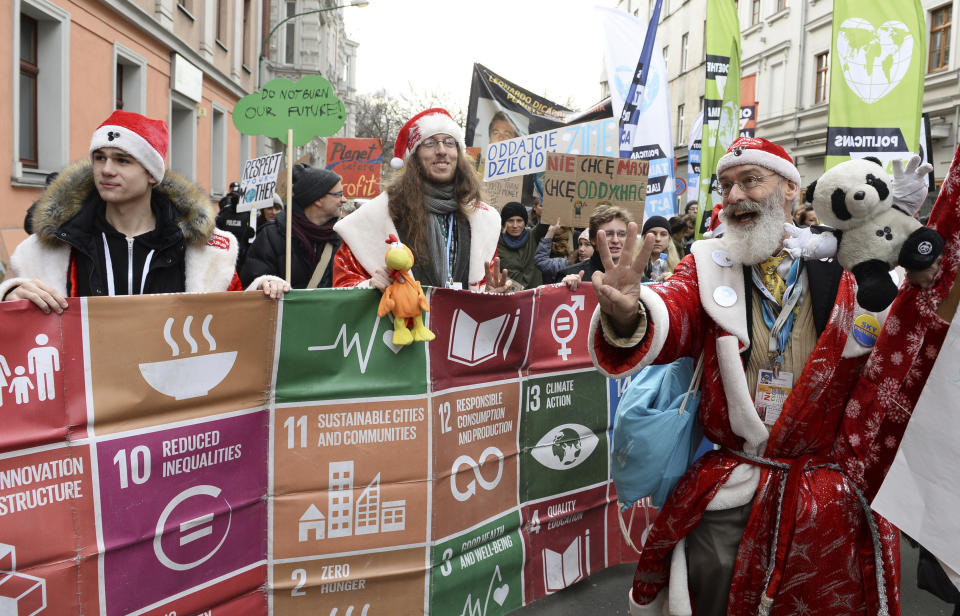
point(267, 255)
point(588, 267)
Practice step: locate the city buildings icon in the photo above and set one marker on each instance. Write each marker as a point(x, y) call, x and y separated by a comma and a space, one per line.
point(366, 514)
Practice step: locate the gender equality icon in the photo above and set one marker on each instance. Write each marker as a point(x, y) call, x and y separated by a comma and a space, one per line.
point(564, 324)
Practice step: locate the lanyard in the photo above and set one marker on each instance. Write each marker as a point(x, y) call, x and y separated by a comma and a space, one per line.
point(449, 264)
point(780, 326)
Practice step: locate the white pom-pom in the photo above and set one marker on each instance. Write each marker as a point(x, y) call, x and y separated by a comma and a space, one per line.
point(396, 163)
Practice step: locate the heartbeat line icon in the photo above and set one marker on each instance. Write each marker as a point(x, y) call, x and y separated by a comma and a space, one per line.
point(499, 594)
point(362, 356)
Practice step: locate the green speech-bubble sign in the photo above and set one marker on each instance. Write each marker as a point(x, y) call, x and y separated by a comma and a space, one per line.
point(309, 107)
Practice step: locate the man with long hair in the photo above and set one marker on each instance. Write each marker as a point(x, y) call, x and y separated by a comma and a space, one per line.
point(434, 207)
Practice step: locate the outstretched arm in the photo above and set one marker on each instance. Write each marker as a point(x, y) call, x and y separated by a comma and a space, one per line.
point(618, 287)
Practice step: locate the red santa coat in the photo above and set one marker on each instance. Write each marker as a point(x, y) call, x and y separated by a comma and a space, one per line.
point(811, 545)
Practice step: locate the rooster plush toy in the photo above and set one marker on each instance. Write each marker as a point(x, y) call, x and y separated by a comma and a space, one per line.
point(404, 297)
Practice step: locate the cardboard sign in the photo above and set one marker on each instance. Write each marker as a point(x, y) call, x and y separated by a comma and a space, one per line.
point(573, 187)
point(501, 192)
point(528, 154)
point(259, 182)
point(357, 162)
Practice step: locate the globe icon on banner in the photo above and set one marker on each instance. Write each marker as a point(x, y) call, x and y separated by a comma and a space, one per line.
point(873, 60)
point(566, 446)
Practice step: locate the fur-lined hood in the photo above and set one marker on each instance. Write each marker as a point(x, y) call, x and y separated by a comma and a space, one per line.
point(65, 197)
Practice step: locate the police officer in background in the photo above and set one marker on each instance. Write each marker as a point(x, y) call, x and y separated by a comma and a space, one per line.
point(237, 223)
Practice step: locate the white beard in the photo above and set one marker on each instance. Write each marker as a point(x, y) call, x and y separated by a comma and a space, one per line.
point(759, 239)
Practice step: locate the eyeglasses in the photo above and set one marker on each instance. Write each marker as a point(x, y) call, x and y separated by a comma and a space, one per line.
point(746, 184)
point(336, 194)
point(449, 143)
point(610, 233)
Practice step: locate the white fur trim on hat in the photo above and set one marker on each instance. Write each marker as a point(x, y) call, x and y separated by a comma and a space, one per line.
point(434, 124)
point(761, 158)
point(121, 137)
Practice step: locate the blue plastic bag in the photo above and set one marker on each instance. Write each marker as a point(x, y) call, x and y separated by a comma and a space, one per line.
point(653, 443)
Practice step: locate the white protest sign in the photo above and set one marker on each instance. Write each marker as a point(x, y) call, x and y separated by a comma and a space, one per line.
point(921, 493)
point(259, 182)
point(528, 154)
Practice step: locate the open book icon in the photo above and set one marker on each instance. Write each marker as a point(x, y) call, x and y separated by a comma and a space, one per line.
point(472, 343)
point(562, 570)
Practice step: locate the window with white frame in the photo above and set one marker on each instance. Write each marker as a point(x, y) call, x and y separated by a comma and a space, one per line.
point(290, 32)
point(130, 80)
point(41, 91)
point(183, 136)
point(684, 43)
point(218, 151)
point(679, 135)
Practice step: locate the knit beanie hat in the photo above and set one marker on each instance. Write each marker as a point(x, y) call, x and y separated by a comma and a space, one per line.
point(654, 222)
point(144, 139)
point(311, 183)
point(422, 126)
point(758, 151)
point(513, 209)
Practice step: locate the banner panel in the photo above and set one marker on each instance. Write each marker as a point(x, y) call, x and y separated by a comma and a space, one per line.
point(876, 80)
point(721, 101)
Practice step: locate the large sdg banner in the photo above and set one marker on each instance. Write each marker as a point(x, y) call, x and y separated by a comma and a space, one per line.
point(227, 454)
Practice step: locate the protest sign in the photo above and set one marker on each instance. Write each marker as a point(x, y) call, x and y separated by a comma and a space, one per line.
point(309, 108)
point(358, 163)
point(498, 193)
point(573, 187)
point(259, 182)
point(528, 154)
point(305, 469)
point(876, 80)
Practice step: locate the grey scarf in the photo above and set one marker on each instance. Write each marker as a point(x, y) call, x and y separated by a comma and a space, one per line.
point(442, 205)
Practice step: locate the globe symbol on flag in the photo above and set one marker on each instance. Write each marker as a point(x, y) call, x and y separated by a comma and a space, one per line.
point(873, 60)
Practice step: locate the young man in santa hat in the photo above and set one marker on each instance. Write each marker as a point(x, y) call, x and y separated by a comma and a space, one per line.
point(118, 224)
point(777, 519)
point(434, 207)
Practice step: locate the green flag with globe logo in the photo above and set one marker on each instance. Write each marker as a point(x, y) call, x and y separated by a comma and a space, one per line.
point(876, 79)
point(721, 100)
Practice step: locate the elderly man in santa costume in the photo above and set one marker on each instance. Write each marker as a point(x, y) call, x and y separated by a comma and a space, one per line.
point(434, 207)
point(777, 519)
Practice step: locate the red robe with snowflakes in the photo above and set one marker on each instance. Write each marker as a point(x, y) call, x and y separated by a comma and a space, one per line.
point(808, 546)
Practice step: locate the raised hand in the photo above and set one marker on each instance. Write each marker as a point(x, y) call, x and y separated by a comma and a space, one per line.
point(910, 185)
point(618, 287)
point(497, 279)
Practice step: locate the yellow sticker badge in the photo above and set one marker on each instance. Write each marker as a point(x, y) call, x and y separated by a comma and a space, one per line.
point(866, 329)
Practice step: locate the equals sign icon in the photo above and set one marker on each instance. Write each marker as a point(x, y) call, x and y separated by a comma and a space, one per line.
point(200, 527)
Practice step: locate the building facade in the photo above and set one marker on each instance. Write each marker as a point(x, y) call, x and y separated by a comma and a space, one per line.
point(314, 44)
point(785, 63)
point(72, 62)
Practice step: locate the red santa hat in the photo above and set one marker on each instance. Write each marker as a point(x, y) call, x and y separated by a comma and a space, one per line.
point(421, 126)
point(758, 151)
point(144, 139)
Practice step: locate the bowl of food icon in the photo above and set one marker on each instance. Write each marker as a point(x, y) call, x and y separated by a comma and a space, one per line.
point(188, 377)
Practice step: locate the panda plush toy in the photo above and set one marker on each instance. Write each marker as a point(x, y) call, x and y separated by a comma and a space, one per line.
point(854, 201)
